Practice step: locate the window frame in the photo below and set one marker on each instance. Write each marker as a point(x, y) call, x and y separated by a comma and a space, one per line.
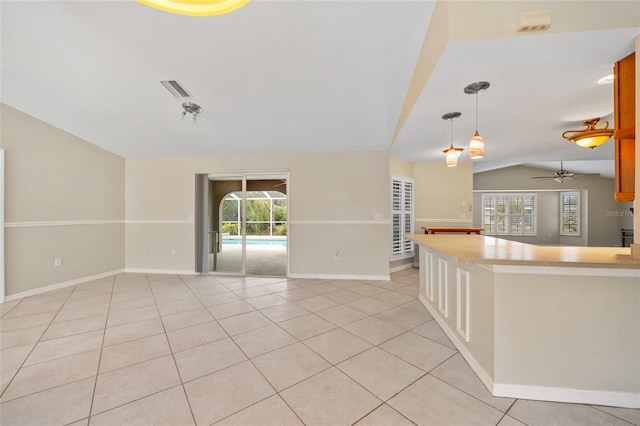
point(564, 214)
point(501, 219)
point(402, 217)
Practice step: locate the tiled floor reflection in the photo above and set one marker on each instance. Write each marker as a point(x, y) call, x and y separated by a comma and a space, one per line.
point(140, 349)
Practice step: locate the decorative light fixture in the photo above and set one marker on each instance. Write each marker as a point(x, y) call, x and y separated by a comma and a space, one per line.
point(592, 135)
point(476, 146)
point(193, 109)
point(452, 153)
point(196, 7)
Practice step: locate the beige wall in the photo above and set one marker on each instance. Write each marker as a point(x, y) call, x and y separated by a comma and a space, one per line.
point(64, 197)
point(473, 20)
point(603, 216)
point(334, 199)
point(400, 167)
point(443, 194)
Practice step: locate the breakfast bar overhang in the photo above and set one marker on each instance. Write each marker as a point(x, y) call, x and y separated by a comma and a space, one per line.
point(538, 322)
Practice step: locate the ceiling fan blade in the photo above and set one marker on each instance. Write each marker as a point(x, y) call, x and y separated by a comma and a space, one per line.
point(587, 174)
point(543, 177)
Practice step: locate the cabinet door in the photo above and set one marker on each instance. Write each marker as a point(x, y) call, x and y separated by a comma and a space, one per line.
point(625, 110)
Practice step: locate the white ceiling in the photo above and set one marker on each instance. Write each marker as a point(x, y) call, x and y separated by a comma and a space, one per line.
point(294, 76)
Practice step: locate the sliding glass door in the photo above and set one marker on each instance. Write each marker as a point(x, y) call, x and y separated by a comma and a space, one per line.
point(226, 224)
point(242, 225)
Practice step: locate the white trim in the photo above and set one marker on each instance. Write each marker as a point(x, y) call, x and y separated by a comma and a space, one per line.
point(462, 326)
point(542, 393)
point(160, 271)
point(2, 282)
point(340, 222)
point(161, 221)
point(35, 224)
point(254, 174)
point(429, 276)
point(484, 377)
point(443, 287)
point(401, 267)
point(564, 270)
point(342, 277)
point(62, 285)
point(522, 190)
point(615, 399)
point(423, 220)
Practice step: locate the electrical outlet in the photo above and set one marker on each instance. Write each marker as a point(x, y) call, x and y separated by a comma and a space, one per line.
point(173, 251)
point(378, 216)
point(57, 262)
point(336, 255)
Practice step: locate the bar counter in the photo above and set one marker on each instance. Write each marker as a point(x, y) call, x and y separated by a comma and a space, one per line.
point(538, 322)
point(495, 251)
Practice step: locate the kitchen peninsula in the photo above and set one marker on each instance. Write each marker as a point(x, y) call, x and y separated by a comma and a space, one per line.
point(538, 322)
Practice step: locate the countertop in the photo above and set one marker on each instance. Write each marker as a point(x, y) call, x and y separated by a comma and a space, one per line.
point(482, 249)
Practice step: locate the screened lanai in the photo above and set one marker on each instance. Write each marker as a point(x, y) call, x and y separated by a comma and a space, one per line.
point(265, 234)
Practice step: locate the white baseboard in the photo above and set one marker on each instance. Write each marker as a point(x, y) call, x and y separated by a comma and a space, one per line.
point(58, 286)
point(541, 393)
point(341, 277)
point(160, 271)
point(401, 267)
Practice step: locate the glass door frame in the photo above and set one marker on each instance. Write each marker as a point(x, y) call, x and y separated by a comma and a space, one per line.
point(243, 176)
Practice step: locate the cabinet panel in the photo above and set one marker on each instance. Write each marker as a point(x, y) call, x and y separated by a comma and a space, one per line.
point(625, 111)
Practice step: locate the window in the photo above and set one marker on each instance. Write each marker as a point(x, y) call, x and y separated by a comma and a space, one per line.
point(401, 216)
point(509, 214)
point(570, 213)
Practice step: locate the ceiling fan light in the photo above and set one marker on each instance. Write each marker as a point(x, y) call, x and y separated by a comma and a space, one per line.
point(476, 146)
point(196, 7)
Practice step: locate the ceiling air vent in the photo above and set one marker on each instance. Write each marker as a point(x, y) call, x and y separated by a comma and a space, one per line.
point(175, 88)
point(534, 21)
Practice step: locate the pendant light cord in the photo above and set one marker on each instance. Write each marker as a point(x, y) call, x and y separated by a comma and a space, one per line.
point(451, 120)
point(476, 111)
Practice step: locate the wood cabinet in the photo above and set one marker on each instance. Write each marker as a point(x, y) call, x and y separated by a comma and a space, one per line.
point(624, 72)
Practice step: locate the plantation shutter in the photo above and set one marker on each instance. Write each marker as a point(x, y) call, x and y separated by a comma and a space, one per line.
point(402, 215)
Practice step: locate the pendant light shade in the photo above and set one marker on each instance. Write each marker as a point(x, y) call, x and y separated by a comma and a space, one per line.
point(476, 146)
point(592, 135)
point(452, 153)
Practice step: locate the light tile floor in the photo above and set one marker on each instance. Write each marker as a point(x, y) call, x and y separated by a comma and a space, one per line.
point(139, 349)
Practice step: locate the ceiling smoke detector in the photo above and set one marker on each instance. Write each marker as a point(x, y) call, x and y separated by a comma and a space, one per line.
point(534, 21)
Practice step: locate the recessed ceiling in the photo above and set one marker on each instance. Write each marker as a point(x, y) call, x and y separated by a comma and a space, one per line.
point(307, 76)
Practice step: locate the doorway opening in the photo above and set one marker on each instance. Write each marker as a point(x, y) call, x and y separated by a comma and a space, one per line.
point(243, 229)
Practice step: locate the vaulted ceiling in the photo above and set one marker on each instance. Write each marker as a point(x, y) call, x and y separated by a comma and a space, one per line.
point(310, 76)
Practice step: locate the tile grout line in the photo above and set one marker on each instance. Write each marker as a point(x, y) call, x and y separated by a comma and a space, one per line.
point(32, 349)
point(104, 333)
point(175, 363)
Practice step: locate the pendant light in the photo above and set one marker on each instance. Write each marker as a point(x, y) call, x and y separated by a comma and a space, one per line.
point(476, 146)
point(452, 153)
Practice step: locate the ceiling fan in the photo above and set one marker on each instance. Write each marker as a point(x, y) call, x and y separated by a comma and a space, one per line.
point(563, 175)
